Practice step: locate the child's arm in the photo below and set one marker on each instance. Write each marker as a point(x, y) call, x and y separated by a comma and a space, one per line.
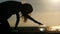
point(29, 17)
point(17, 21)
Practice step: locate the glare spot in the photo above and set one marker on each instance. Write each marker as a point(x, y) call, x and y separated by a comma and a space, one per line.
point(41, 29)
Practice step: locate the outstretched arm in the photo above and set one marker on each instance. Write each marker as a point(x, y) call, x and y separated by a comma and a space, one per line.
point(29, 17)
point(17, 21)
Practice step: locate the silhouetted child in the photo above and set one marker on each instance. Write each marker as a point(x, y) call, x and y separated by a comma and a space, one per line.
point(25, 11)
point(7, 9)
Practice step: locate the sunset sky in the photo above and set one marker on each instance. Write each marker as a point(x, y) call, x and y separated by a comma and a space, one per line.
point(45, 11)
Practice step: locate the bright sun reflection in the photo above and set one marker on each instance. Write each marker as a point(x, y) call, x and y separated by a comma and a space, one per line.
point(42, 29)
point(54, 28)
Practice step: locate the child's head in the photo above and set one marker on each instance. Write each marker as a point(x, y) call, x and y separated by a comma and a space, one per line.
point(26, 10)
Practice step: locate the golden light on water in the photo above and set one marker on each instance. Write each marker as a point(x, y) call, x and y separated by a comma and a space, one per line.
point(53, 28)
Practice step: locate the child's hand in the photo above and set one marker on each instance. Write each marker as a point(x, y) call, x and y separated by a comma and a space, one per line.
point(39, 23)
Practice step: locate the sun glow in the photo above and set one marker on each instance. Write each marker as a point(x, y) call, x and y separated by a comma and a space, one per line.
point(55, 1)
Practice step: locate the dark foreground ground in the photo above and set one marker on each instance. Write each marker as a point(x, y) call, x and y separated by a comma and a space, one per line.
point(31, 30)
